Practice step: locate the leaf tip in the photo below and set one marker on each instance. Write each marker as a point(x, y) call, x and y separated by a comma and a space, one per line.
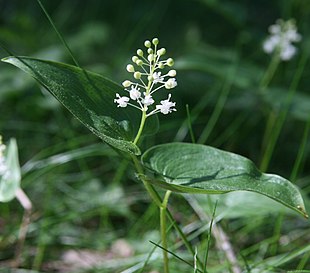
point(303, 211)
point(5, 59)
point(8, 59)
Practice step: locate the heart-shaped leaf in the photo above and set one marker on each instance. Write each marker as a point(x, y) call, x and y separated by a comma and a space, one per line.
point(195, 168)
point(10, 182)
point(90, 98)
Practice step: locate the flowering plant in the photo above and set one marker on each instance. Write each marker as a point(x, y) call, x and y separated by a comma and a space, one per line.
point(152, 82)
point(280, 41)
point(176, 167)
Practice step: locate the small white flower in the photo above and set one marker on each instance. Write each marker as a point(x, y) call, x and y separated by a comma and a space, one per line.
point(147, 69)
point(275, 29)
point(271, 43)
point(166, 106)
point(148, 100)
point(292, 35)
point(287, 52)
point(122, 101)
point(283, 34)
point(157, 78)
point(134, 92)
point(171, 83)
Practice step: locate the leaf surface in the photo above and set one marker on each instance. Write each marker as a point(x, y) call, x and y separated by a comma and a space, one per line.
point(90, 98)
point(195, 168)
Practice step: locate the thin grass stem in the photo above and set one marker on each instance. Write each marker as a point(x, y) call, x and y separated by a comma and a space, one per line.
point(219, 105)
point(270, 72)
point(59, 34)
point(163, 230)
point(301, 152)
point(209, 238)
point(189, 122)
point(173, 254)
point(279, 122)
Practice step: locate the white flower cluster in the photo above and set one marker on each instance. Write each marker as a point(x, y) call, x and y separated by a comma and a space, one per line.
point(146, 70)
point(282, 35)
point(4, 170)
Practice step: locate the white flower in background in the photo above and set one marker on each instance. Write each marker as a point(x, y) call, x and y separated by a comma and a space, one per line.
point(4, 170)
point(282, 35)
point(145, 70)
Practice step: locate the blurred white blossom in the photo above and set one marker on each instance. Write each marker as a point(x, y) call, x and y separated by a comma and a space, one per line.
point(4, 170)
point(282, 36)
point(149, 79)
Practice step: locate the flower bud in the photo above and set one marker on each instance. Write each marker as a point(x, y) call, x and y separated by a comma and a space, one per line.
point(150, 57)
point(134, 58)
point(150, 78)
point(137, 75)
point(171, 83)
point(172, 73)
point(126, 83)
point(150, 51)
point(130, 68)
point(155, 41)
point(161, 52)
point(140, 52)
point(139, 62)
point(161, 66)
point(147, 43)
point(170, 62)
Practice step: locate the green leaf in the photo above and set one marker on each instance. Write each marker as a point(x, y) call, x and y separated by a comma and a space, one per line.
point(10, 183)
point(195, 168)
point(90, 98)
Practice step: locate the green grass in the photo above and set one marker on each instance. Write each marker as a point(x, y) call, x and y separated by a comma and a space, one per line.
point(86, 198)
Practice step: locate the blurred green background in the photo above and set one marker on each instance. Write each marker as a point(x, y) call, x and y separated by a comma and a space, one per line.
point(85, 196)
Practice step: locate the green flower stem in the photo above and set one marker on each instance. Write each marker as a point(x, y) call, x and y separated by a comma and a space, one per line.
point(143, 118)
point(272, 132)
point(158, 201)
point(269, 131)
point(271, 70)
point(163, 230)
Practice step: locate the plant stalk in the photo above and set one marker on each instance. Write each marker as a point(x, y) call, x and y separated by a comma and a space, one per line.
point(143, 118)
point(158, 201)
point(270, 72)
point(163, 230)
